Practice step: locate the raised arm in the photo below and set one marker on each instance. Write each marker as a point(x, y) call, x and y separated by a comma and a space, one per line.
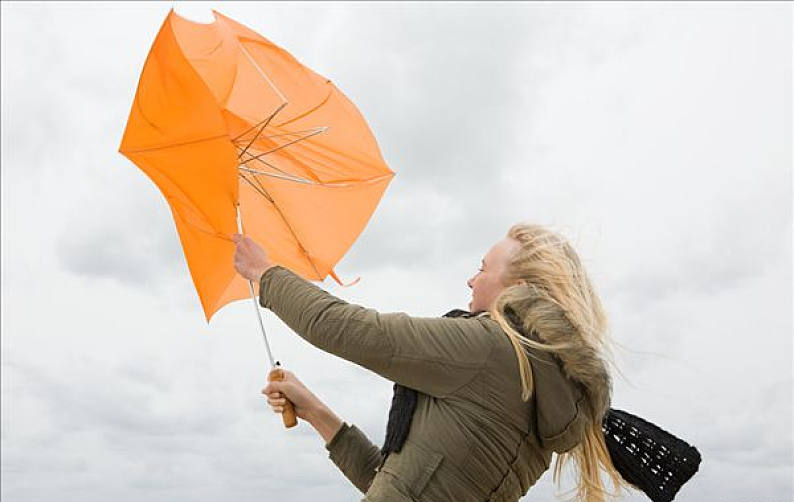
point(433, 355)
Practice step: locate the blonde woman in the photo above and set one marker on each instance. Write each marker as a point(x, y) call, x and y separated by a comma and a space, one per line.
point(482, 400)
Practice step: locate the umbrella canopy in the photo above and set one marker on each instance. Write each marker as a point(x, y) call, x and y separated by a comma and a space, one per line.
point(223, 117)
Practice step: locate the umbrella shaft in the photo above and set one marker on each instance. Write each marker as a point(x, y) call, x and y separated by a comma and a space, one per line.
point(261, 325)
point(256, 304)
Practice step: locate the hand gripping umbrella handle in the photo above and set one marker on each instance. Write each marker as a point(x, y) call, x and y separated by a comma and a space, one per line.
point(288, 415)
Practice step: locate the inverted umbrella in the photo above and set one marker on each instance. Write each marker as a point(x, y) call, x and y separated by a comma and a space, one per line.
point(237, 134)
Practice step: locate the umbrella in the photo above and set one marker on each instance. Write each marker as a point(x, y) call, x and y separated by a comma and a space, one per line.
point(240, 136)
point(223, 119)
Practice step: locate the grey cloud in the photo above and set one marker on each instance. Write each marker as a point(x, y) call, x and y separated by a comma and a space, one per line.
point(65, 121)
point(750, 437)
point(135, 245)
point(730, 251)
point(79, 400)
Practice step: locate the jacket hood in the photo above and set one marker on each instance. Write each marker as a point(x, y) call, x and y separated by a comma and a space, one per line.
point(570, 388)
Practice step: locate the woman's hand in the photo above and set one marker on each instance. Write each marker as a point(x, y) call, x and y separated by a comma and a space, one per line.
point(250, 260)
point(307, 406)
point(305, 402)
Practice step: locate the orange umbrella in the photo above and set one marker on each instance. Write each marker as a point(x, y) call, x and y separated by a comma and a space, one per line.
point(224, 120)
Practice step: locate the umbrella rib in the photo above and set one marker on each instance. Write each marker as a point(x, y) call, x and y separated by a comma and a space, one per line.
point(277, 135)
point(266, 122)
point(274, 175)
point(307, 182)
point(261, 191)
point(319, 277)
point(259, 184)
point(271, 166)
point(173, 145)
point(314, 132)
point(249, 130)
point(310, 110)
point(262, 73)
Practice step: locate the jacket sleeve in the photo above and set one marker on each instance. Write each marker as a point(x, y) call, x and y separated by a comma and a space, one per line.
point(354, 455)
point(432, 355)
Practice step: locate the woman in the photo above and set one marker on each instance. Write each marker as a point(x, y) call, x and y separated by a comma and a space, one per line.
point(497, 392)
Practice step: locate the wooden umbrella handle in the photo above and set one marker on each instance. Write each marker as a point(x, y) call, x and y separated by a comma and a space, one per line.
point(288, 415)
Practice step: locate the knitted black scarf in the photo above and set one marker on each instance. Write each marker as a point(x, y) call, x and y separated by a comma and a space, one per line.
point(403, 404)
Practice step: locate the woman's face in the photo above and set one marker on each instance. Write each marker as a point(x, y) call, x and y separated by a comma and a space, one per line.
point(488, 282)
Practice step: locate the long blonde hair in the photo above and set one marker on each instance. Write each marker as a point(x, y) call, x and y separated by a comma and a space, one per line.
point(552, 296)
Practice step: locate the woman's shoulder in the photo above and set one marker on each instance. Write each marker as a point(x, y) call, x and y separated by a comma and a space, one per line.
point(502, 358)
point(490, 324)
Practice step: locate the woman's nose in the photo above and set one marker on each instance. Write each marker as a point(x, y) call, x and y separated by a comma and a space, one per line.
point(468, 283)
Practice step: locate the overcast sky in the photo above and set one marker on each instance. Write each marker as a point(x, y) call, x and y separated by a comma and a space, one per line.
point(656, 137)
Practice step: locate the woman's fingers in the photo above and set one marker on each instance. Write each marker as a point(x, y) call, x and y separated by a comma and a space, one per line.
point(274, 386)
point(274, 398)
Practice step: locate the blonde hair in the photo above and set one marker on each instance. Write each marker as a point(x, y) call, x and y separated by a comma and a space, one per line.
point(550, 295)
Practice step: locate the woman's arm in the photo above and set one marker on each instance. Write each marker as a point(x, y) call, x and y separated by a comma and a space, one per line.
point(432, 355)
point(348, 447)
point(355, 455)
point(325, 422)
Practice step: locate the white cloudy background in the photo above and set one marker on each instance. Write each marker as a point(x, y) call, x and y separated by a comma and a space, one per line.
point(657, 137)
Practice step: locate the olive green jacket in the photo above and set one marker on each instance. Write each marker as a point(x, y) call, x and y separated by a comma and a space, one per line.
point(472, 438)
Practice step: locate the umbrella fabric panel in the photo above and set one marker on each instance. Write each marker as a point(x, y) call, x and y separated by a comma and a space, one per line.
point(172, 103)
point(213, 282)
point(204, 224)
point(211, 51)
point(266, 224)
point(324, 219)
